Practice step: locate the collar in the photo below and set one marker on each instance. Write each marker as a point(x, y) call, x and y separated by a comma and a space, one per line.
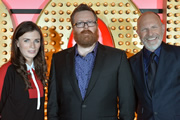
point(94, 50)
point(29, 67)
point(147, 53)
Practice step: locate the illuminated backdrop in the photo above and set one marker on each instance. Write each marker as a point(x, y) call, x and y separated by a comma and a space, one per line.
point(117, 20)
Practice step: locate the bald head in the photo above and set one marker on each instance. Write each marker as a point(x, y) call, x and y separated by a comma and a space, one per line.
point(150, 30)
point(148, 15)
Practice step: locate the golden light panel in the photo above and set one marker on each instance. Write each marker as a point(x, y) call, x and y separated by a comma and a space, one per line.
point(173, 22)
point(6, 31)
point(119, 16)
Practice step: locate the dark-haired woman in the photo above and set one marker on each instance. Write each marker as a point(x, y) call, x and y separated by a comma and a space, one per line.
point(22, 79)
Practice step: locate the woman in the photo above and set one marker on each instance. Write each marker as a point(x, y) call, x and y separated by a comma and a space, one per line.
point(22, 79)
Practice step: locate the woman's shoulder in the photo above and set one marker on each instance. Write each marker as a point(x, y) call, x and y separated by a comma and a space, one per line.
point(5, 67)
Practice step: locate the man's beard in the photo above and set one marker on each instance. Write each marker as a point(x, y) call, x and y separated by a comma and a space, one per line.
point(86, 38)
point(152, 46)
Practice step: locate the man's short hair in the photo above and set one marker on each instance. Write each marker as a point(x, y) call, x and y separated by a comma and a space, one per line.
point(82, 7)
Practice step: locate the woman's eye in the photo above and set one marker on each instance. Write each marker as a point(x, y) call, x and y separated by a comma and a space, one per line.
point(26, 40)
point(37, 41)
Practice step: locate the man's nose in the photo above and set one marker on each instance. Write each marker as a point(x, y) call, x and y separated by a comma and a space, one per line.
point(86, 25)
point(150, 32)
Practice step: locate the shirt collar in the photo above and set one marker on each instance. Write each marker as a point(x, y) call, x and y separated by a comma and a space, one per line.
point(94, 50)
point(29, 67)
point(147, 53)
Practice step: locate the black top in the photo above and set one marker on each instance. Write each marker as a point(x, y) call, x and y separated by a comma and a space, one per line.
point(16, 103)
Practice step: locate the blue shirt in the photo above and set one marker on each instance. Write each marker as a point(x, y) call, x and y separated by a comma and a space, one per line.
point(83, 68)
point(146, 58)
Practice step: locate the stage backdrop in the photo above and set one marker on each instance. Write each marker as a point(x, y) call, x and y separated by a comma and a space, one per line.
point(117, 22)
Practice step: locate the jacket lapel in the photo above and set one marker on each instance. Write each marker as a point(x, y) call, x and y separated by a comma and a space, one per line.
point(71, 72)
point(99, 61)
point(163, 66)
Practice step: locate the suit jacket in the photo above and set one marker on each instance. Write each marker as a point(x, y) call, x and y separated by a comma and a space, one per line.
point(165, 101)
point(111, 78)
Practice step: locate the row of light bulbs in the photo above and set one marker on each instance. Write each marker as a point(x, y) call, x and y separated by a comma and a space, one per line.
point(171, 6)
point(98, 4)
point(68, 12)
point(113, 20)
point(171, 14)
point(4, 22)
point(171, 21)
point(175, 29)
point(171, 36)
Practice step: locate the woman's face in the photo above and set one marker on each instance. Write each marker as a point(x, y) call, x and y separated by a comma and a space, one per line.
point(29, 44)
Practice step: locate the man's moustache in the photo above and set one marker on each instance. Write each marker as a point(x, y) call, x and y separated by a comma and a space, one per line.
point(86, 31)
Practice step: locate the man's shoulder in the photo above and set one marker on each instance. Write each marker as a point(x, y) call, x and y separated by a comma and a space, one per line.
point(171, 48)
point(136, 56)
point(64, 52)
point(174, 46)
point(111, 49)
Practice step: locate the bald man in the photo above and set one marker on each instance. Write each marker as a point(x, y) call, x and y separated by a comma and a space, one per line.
point(156, 71)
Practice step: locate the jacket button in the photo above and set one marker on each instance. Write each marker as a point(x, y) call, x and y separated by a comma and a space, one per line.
point(84, 106)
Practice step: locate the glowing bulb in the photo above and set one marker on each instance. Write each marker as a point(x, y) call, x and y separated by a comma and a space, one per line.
point(53, 4)
point(120, 43)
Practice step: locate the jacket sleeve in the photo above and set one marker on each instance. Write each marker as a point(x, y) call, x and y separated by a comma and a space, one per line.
point(126, 90)
point(52, 107)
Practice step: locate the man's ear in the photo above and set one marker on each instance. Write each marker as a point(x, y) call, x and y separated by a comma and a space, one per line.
point(163, 27)
point(137, 31)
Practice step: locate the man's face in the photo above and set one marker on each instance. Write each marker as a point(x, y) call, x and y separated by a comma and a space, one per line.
point(150, 31)
point(85, 36)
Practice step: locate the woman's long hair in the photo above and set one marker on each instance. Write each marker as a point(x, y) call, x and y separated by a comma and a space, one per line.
point(18, 60)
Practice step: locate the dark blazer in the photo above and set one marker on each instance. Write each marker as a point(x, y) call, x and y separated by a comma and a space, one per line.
point(165, 101)
point(111, 77)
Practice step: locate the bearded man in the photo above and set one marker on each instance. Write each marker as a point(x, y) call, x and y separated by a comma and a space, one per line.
point(88, 80)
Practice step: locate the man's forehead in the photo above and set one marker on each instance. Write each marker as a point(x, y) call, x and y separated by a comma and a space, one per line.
point(84, 15)
point(148, 15)
point(148, 19)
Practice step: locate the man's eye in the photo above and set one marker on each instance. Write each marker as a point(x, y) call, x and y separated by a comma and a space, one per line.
point(90, 21)
point(154, 27)
point(79, 23)
point(143, 30)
